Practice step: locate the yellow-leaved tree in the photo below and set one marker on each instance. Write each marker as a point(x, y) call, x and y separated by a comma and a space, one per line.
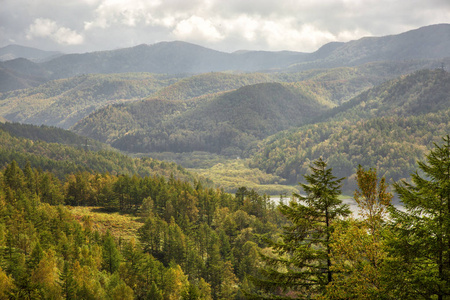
point(358, 251)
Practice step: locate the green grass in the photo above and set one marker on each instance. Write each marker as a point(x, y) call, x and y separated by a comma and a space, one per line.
point(120, 225)
point(230, 174)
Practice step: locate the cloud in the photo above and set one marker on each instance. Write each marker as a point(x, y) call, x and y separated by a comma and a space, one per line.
point(129, 13)
point(46, 28)
point(87, 25)
point(197, 28)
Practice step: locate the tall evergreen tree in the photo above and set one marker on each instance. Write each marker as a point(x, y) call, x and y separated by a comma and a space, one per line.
point(300, 264)
point(421, 245)
point(111, 255)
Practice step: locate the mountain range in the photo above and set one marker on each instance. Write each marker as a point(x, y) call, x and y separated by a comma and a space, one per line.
point(431, 42)
point(16, 51)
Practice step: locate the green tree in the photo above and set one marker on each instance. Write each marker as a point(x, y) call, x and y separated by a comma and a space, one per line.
point(6, 284)
point(373, 199)
point(300, 263)
point(358, 249)
point(67, 282)
point(111, 256)
point(420, 248)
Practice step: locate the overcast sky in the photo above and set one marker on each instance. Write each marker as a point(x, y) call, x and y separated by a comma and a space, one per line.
point(225, 25)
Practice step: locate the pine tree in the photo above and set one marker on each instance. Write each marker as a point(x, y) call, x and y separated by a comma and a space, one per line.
point(420, 267)
point(67, 282)
point(111, 256)
point(300, 264)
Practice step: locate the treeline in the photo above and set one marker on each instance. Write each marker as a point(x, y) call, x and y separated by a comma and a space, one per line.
point(50, 134)
point(63, 159)
point(195, 242)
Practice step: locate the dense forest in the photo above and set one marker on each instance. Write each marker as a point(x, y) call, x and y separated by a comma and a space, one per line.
point(385, 253)
point(228, 124)
point(194, 242)
point(389, 127)
point(61, 152)
point(201, 243)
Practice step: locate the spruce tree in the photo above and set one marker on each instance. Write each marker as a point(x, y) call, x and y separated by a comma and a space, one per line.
point(420, 248)
point(299, 265)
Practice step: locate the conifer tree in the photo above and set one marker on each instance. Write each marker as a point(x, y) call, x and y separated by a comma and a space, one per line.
point(300, 265)
point(67, 282)
point(111, 256)
point(421, 246)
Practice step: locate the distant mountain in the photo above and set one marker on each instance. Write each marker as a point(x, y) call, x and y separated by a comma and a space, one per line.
point(20, 73)
point(16, 51)
point(389, 127)
point(430, 42)
point(426, 43)
point(228, 123)
point(165, 57)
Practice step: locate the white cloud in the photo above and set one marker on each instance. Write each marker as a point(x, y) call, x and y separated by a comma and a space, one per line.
point(46, 28)
point(197, 28)
point(129, 13)
point(224, 25)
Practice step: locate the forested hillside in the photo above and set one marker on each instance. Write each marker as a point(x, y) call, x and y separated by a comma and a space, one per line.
point(390, 126)
point(195, 242)
point(48, 104)
point(209, 83)
point(62, 152)
point(63, 102)
point(228, 123)
point(11, 80)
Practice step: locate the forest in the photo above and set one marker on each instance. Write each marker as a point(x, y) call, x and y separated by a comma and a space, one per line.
point(196, 242)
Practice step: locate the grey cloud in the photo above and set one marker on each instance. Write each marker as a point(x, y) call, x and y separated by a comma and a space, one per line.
point(223, 25)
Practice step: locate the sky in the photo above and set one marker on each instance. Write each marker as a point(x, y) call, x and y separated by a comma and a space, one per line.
point(225, 25)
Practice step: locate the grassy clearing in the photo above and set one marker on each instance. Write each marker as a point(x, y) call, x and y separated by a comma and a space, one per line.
point(227, 173)
point(120, 225)
point(234, 173)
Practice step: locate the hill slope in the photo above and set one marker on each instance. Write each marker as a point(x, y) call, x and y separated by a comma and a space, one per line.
point(388, 127)
point(227, 123)
point(20, 74)
point(63, 102)
point(48, 104)
point(62, 152)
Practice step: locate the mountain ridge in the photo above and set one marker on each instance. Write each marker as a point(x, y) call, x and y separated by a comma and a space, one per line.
point(177, 57)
